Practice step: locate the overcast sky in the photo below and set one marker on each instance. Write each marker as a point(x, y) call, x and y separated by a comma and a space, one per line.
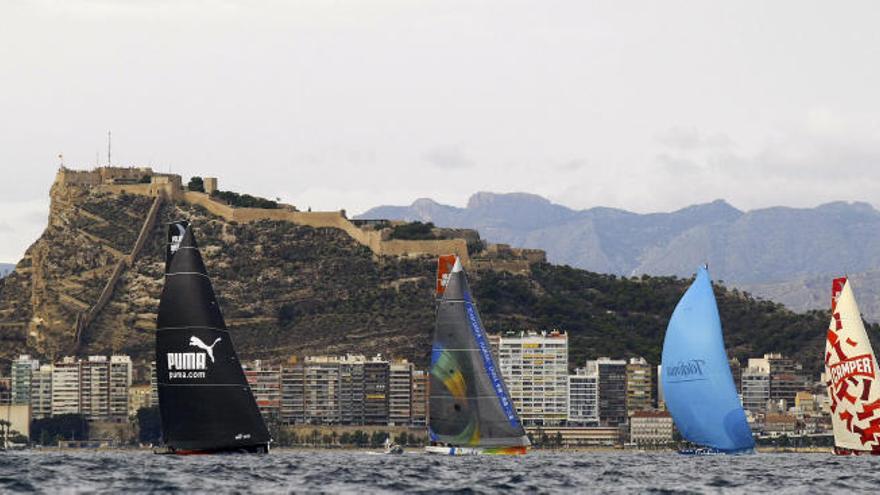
point(648, 105)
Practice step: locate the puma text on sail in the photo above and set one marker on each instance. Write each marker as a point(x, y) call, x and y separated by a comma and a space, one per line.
point(191, 364)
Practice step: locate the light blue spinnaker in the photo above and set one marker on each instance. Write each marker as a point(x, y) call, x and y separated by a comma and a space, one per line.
point(697, 384)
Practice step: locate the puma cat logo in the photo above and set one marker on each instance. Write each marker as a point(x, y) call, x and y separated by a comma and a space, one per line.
point(197, 342)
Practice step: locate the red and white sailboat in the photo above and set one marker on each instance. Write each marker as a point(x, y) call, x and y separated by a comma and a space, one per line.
point(851, 377)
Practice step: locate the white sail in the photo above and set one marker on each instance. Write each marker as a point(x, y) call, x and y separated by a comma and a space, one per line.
point(851, 375)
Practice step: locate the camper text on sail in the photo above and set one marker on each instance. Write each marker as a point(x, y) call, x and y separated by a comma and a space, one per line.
point(857, 366)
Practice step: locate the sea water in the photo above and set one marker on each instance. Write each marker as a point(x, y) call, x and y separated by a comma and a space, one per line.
point(361, 472)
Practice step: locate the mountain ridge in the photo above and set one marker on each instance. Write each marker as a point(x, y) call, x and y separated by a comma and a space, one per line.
point(764, 250)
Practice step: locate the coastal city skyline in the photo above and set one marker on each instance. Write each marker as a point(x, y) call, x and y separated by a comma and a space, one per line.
point(603, 401)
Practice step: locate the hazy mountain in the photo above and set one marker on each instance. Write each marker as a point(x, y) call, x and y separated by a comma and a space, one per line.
point(6, 268)
point(787, 254)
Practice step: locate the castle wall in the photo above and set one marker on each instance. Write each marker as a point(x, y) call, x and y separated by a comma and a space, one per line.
point(396, 247)
point(169, 186)
point(333, 219)
point(119, 269)
point(78, 178)
point(205, 201)
point(109, 175)
point(139, 189)
point(511, 266)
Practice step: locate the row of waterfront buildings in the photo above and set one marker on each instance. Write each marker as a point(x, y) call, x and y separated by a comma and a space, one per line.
point(97, 387)
point(612, 394)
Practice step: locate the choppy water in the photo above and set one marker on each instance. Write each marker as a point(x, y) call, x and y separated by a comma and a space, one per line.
point(359, 472)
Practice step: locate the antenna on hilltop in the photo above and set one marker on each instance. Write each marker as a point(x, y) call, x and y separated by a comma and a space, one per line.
point(109, 142)
point(61, 159)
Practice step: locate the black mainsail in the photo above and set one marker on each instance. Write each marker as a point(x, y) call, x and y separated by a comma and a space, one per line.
point(205, 402)
point(469, 402)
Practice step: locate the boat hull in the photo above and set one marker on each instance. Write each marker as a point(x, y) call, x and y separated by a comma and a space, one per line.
point(246, 449)
point(845, 451)
point(463, 451)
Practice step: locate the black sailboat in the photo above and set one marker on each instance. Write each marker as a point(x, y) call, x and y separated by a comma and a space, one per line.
point(205, 403)
point(470, 408)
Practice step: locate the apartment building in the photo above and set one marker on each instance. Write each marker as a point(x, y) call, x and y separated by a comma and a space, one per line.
point(535, 368)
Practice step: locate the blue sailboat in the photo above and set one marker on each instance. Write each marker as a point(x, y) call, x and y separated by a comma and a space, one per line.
point(695, 375)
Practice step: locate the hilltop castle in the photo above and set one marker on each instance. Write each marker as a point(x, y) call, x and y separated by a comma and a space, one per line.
point(375, 235)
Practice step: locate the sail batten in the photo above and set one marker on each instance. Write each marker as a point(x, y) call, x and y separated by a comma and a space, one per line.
point(698, 387)
point(469, 402)
point(205, 403)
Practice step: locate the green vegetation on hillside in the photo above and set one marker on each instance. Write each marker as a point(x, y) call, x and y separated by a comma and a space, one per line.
point(415, 231)
point(196, 184)
point(607, 315)
point(243, 200)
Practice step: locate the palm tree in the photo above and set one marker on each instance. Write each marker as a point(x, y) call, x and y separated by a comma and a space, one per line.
point(4, 429)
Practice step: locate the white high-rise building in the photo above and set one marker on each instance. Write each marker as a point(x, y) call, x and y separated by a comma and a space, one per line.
point(756, 386)
point(22, 371)
point(535, 369)
point(321, 387)
point(119, 385)
point(97, 388)
point(400, 393)
point(420, 383)
point(41, 392)
point(583, 397)
point(265, 383)
point(94, 384)
point(66, 387)
point(639, 385)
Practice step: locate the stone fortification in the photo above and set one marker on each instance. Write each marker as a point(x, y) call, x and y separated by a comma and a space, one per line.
point(373, 239)
point(144, 182)
point(84, 319)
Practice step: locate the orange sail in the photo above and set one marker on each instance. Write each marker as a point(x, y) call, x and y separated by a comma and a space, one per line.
point(444, 268)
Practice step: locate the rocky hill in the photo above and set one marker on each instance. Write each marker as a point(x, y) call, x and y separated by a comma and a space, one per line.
point(289, 289)
point(787, 254)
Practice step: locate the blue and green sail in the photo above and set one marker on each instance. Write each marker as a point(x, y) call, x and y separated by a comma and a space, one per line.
point(698, 388)
point(469, 403)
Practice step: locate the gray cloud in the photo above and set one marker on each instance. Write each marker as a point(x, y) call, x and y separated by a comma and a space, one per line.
point(448, 157)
